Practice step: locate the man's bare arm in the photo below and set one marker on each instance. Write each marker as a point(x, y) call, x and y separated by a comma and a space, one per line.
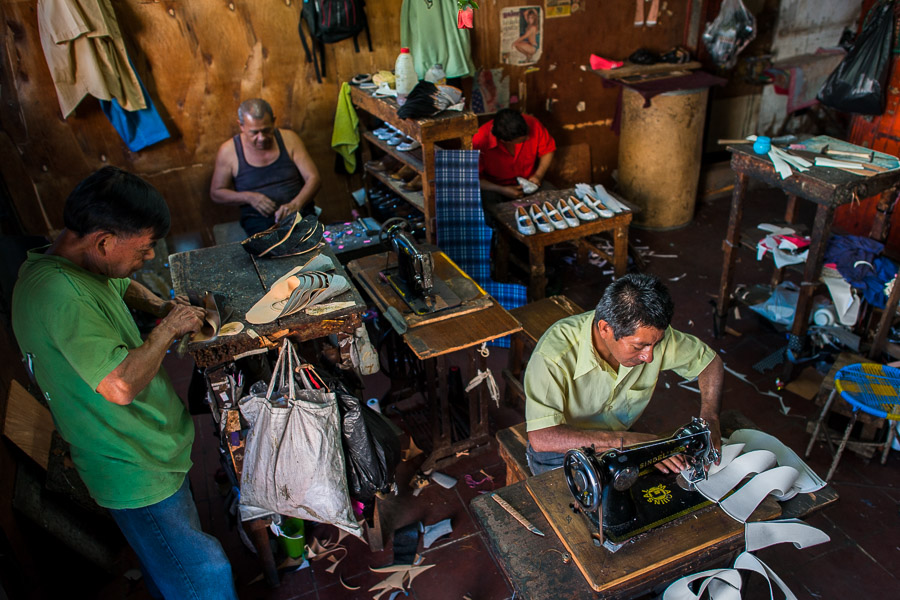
point(312, 181)
point(562, 438)
point(710, 381)
point(543, 164)
point(143, 363)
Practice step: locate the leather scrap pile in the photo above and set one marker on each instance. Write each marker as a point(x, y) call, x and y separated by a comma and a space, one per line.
point(291, 237)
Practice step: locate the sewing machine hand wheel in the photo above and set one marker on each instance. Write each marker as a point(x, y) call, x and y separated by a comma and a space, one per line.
point(390, 226)
point(583, 480)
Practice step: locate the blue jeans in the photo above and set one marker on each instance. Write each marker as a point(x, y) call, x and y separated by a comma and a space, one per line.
point(179, 561)
point(541, 462)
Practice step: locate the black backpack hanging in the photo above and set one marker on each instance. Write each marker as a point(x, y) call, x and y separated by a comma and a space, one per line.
point(330, 21)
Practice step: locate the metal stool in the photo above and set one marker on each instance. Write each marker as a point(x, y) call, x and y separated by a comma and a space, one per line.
point(871, 388)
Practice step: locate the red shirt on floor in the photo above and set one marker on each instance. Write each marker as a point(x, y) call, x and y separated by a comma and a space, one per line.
point(499, 166)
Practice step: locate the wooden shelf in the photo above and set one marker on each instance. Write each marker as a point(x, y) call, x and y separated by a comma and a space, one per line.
point(417, 199)
point(413, 158)
point(656, 71)
point(446, 125)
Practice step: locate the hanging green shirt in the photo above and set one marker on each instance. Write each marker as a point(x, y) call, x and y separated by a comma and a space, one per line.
point(567, 382)
point(75, 327)
point(433, 38)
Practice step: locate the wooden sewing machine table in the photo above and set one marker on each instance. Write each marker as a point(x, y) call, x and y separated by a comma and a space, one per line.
point(504, 214)
point(432, 337)
point(243, 279)
point(546, 568)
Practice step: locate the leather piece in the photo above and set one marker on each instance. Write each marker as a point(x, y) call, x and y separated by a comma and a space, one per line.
point(762, 535)
point(743, 502)
point(725, 480)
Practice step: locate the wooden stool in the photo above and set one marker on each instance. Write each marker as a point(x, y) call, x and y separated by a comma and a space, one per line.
point(863, 441)
point(511, 447)
point(869, 388)
point(535, 317)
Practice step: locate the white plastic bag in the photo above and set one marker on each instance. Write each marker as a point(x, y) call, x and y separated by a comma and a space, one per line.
point(293, 460)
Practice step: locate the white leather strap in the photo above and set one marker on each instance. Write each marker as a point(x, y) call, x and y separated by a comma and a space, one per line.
point(808, 480)
point(729, 453)
point(681, 590)
point(743, 502)
point(768, 533)
point(749, 562)
point(725, 480)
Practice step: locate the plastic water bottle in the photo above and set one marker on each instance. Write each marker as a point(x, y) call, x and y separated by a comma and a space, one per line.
point(436, 75)
point(404, 75)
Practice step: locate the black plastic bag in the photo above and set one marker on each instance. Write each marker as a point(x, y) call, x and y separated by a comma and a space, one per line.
point(859, 83)
point(371, 447)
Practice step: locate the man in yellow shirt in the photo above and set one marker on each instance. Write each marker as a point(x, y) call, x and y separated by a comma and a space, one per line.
point(592, 375)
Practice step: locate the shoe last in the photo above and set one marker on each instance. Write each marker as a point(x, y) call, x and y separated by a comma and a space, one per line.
point(540, 219)
point(524, 222)
point(580, 210)
point(567, 214)
point(553, 215)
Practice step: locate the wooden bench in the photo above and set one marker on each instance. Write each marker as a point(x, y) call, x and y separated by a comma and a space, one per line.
point(535, 317)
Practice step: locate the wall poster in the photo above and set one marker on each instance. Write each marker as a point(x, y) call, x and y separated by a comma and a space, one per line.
point(521, 34)
point(562, 8)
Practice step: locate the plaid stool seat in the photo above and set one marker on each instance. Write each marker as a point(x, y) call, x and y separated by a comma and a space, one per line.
point(867, 387)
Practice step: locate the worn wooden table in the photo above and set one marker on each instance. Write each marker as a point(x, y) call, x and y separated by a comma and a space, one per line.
point(243, 279)
point(541, 568)
point(828, 188)
point(228, 269)
point(504, 214)
point(431, 338)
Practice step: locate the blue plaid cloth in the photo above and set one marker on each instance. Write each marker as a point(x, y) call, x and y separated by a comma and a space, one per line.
point(461, 231)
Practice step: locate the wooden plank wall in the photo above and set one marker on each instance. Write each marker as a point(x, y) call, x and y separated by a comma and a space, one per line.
point(554, 91)
point(200, 58)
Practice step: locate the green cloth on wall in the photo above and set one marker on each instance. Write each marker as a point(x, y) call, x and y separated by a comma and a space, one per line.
point(432, 37)
point(345, 137)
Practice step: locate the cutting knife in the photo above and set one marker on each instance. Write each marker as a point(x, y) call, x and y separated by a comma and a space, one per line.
point(516, 515)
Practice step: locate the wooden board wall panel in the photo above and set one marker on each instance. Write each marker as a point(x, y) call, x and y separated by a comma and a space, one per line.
point(603, 28)
point(198, 59)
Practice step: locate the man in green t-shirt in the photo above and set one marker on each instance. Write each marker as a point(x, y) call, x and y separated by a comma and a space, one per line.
point(592, 375)
point(130, 434)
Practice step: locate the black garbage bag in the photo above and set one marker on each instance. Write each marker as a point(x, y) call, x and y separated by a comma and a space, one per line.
point(859, 82)
point(371, 447)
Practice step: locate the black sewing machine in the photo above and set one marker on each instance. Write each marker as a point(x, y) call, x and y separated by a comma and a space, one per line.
point(413, 277)
point(622, 486)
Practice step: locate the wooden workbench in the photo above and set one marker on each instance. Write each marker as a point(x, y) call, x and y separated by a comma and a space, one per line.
point(827, 188)
point(504, 214)
point(541, 568)
point(243, 280)
point(230, 270)
point(479, 319)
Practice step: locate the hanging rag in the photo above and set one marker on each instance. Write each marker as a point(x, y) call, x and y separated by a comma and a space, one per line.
point(137, 128)
point(345, 137)
point(86, 54)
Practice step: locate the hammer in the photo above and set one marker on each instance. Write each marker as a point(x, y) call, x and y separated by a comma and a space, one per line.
point(869, 156)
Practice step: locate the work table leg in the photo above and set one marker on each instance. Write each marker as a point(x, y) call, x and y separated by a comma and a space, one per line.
point(817, 244)
point(537, 282)
point(729, 249)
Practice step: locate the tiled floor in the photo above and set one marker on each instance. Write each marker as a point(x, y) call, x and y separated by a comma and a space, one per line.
point(860, 561)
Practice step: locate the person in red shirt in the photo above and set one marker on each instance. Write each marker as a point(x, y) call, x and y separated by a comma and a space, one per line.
point(512, 145)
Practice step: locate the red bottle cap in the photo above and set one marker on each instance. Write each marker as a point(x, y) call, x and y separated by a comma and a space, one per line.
point(404, 50)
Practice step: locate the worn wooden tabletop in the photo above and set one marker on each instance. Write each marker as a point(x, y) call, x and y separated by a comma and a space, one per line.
point(441, 332)
point(543, 568)
point(229, 270)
